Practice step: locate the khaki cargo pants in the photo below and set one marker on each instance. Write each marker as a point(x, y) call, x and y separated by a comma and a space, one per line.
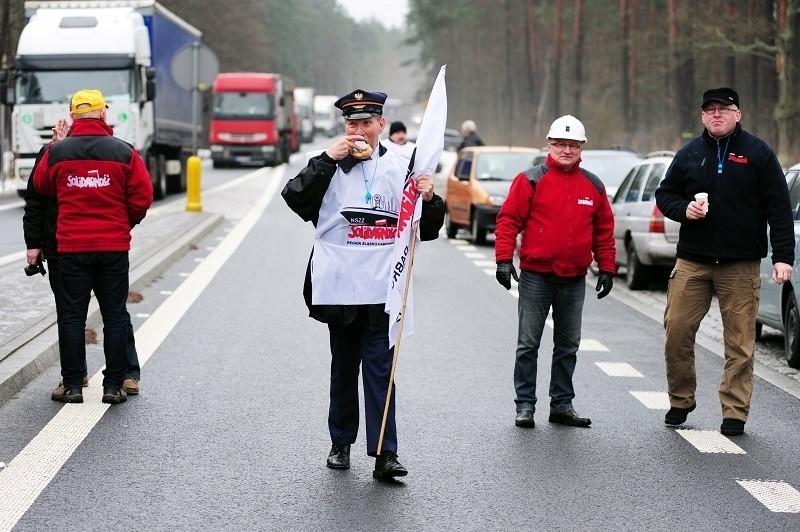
point(691, 287)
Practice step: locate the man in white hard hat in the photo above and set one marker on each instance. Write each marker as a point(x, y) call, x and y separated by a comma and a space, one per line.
point(566, 222)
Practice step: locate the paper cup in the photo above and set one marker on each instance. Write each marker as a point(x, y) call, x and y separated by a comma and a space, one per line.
point(702, 197)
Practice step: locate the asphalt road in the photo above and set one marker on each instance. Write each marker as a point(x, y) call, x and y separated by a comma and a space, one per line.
point(230, 430)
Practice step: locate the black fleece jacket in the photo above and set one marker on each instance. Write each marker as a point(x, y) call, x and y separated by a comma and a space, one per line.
point(750, 193)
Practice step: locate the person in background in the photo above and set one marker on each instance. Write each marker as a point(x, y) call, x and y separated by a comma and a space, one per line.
point(469, 132)
point(721, 243)
point(39, 230)
point(352, 193)
point(398, 140)
point(103, 189)
point(563, 214)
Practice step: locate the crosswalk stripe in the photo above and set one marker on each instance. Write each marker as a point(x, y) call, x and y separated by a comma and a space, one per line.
point(653, 400)
point(618, 369)
point(709, 441)
point(776, 495)
point(592, 345)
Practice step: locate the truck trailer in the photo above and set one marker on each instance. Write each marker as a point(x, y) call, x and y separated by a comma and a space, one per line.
point(253, 119)
point(124, 48)
point(327, 118)
point(304, 104)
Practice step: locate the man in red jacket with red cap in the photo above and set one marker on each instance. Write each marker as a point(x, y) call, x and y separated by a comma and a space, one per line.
point(103, 189)
point(566, 222)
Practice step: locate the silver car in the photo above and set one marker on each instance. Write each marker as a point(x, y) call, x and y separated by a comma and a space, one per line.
point(779, 307)
point(646, 240)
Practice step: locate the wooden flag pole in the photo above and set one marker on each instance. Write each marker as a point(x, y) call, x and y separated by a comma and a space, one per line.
point(396, 350)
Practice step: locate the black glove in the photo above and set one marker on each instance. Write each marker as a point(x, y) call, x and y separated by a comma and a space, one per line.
point(604, 284)
point(505, 271)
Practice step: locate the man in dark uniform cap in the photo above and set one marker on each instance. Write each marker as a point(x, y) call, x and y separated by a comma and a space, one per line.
point(351, 193)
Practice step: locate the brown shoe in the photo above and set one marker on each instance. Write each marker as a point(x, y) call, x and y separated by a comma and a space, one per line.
point(131, 386)
point(60, 390)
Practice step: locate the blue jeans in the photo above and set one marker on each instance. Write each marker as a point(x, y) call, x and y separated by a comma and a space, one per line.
point(536, 295)
point(105, 273)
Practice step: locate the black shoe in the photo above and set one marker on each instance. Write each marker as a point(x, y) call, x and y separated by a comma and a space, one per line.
point(339, 457)
point(525, 419)
point(677, 416)
point(67, 394)
point(570, 418)
point(387, 466)
point(114, 396)
point(732, 427)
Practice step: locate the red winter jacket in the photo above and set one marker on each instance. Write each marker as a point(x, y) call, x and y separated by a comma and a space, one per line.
point(102, 187)
point(565, 220)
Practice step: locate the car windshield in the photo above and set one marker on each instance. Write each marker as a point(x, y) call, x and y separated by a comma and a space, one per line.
point(256, 105)
point(611, 168)
point(502, 166)
point(58, 86)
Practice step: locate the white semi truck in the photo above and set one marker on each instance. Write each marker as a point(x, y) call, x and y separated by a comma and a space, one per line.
point(124, 48)
point(304, 104)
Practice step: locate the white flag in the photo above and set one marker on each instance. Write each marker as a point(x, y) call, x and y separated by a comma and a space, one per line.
point(430, 143)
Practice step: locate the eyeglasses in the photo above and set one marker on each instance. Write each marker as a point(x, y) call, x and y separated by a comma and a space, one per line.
point(564, 145)
point(720, 110)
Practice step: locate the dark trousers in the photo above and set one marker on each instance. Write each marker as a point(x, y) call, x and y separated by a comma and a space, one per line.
point(353, 345)
point(133, 370)
point(106, 274)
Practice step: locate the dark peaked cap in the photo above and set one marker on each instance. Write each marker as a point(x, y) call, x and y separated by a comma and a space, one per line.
point(723, 95)
point(361, 104)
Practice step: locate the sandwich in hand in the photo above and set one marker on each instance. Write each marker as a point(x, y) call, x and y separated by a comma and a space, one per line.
point(362, 150)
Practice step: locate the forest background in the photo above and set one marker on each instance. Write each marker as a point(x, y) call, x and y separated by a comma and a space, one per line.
point(632, 70)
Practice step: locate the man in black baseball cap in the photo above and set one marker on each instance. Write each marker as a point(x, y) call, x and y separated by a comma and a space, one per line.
point(725, 188)
point(722, 95)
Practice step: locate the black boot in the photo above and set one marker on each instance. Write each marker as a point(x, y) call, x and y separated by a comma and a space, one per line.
point(339, 457)
point(387, 466)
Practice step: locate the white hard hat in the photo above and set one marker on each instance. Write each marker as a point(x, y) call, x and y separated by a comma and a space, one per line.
point(567, 127)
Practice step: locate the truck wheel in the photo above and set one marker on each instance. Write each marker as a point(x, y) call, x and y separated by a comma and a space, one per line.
point(155, 165)
point(177, 183)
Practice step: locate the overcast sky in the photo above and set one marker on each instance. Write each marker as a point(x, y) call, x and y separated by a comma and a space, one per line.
point(390, 13)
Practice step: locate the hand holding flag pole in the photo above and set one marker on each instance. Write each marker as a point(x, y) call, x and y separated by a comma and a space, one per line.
point(428, 150)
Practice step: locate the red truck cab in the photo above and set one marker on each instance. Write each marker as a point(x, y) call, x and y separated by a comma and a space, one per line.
point(252, 119)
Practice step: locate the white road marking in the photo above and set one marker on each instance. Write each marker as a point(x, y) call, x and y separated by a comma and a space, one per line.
point(709, 441)
point(486, 264)
point(653, 400)
point(474, 255)
point(29, 473)
point(592, 345)
point(776, 495)
point(18, 256)
point(165, 292)
point(13, 205)
point(618, 369)
point(143, 315)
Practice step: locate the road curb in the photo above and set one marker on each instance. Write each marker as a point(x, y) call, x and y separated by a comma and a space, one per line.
point(37, 349)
